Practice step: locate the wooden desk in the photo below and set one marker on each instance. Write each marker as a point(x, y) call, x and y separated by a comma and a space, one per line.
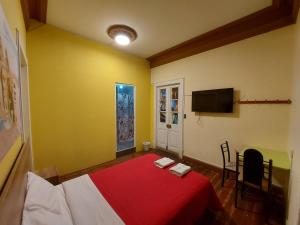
point(281, 168)
point(281, 160)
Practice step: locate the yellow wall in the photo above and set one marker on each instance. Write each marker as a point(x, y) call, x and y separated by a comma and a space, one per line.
point(13, 12)
point(8, 160)
point(72, 94)
point(257, 68)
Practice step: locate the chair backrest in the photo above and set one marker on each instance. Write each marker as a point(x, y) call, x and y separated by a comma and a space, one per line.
point(269, 174)
point(254, 170)
point(225, 152)
point(253, 167)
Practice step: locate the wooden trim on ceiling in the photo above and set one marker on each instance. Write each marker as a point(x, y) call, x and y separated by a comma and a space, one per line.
point(295, 6)
point(38, 10)
point(281, 13)
point(26, 14)
point(34, 10)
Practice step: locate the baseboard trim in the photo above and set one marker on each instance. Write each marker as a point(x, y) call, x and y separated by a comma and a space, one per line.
point(126, 152)
point(91, 169)
point(186, 158)
point(201, 163)
point(78, 173)
point(175, 154)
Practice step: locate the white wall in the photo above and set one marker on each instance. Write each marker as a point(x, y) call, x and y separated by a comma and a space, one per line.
point(257, 68)
point(294, 139)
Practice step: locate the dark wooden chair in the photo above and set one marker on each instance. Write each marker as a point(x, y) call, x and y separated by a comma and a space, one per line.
point(228, 166)
point(256, 174)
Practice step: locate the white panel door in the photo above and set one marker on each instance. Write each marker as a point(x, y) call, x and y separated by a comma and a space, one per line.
point(169, 118)
point(174, 122)
point(162, 117)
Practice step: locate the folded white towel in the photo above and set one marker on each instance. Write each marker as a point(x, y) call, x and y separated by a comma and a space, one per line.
point(180, 169)
point(163, 162)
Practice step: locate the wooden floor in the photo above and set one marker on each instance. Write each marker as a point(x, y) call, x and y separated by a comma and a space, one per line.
point(251, 210)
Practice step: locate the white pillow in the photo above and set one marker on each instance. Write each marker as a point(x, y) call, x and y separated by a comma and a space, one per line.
point(45, 204)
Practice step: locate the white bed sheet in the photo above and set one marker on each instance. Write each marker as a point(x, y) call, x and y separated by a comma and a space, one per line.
point(87, 205)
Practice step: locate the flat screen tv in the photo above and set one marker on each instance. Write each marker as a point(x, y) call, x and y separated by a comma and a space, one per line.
point(218, 100)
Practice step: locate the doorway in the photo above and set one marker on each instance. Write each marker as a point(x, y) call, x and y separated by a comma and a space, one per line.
point(169, 116)
point(125, 118)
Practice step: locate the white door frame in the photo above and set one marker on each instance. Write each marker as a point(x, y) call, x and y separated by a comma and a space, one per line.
point(179, 82)
point(24, 87)
point(116, 127)
point(25, 99)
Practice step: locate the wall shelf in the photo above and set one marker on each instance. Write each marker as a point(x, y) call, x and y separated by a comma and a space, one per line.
point(277, 101)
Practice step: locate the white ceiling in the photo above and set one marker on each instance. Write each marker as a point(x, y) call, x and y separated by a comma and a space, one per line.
point(160, 24)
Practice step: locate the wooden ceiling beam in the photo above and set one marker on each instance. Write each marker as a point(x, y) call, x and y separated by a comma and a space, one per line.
point(280, 14)
point(26, 13)
point(34, 10)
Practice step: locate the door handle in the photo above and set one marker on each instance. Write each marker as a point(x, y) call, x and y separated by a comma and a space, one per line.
point(169, 126)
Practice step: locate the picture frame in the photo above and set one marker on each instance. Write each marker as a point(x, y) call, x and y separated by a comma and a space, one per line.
point(10, 92)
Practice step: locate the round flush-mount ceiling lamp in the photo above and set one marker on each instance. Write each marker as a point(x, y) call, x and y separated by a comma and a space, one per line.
point(122, 34)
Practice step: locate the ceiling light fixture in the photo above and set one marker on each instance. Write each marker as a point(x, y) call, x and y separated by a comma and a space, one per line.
point(122, 34)
point(122, 39)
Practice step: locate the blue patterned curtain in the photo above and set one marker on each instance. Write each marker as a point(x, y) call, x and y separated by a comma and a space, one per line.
point(125, 116)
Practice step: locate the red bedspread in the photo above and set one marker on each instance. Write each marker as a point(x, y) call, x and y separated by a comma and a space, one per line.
point(143, 194)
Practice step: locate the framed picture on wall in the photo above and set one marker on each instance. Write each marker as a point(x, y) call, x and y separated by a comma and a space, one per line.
point(125, 113)
point(10, 103)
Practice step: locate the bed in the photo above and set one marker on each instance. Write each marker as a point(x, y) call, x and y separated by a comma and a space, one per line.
point(135, 192)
